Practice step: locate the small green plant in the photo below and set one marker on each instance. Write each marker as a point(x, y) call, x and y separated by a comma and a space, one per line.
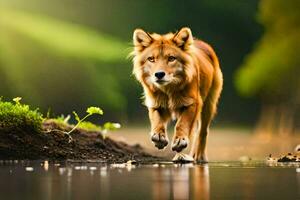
point(81, 123)
point(90, 111)
point(17, 115)
point(17, 100)
point(108, 126)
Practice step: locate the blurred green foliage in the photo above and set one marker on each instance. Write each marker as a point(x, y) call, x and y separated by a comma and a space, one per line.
point(271, 70)
point(63, 38)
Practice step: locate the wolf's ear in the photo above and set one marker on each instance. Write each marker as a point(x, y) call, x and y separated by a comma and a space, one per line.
point(183, 38)
point(141, 39)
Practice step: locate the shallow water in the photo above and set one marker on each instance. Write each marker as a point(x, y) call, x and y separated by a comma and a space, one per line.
point(216, 180)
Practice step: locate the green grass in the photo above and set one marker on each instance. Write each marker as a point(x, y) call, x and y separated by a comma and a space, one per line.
point(17, 115)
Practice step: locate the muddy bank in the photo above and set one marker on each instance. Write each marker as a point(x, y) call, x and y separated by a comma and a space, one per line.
point(51, 143)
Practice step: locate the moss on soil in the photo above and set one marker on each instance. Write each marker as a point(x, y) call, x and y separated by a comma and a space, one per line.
point(16, 115)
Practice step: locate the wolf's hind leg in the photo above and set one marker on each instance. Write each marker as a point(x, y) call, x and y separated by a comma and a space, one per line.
point(207, 114)
point(209, 110)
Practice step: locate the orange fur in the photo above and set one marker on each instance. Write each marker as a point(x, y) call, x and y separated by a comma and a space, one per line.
point(189, 89)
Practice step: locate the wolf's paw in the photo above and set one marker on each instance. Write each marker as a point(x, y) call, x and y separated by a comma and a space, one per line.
point(160, 140)
point(179, 144)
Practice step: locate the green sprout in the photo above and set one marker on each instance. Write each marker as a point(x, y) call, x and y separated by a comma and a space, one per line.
point(91, 111)
point(17, 100)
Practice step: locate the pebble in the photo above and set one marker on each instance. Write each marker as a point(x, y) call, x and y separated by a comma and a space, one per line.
point(245, 159)
point(29, 169)
point(93, 168)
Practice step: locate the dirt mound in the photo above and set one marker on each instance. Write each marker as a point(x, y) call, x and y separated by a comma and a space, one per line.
point(53, 144)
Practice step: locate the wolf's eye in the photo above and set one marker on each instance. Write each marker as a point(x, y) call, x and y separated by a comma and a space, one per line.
point(171, 59)
point(151, 59)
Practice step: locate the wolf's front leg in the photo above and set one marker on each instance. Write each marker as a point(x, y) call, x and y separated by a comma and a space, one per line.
point(184, 127)
point(159, 118)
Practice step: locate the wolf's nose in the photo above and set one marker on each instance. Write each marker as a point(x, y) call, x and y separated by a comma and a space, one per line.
point(160, 75)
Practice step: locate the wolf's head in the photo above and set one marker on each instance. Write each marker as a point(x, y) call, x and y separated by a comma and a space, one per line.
point(162, 61)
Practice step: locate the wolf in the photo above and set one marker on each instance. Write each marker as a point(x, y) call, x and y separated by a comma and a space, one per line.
point(181, 79)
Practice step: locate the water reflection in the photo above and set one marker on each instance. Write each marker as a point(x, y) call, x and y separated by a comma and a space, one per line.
point(230, 180)
point(46, 165)
point(181, 182)
point(298, 180)
point(201, 183)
